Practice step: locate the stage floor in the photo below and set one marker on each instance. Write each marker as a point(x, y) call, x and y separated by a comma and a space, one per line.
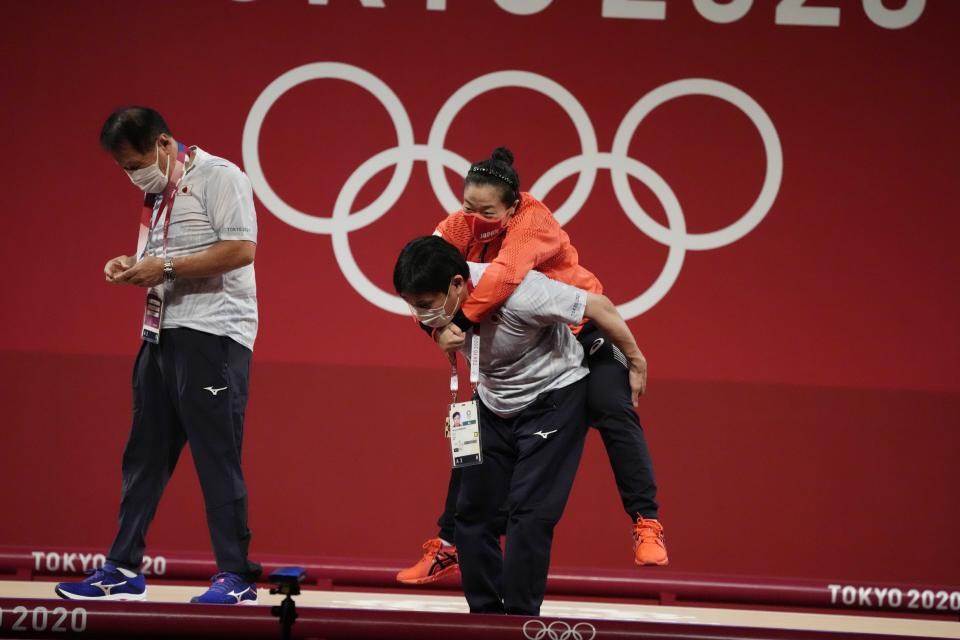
point(567, 609)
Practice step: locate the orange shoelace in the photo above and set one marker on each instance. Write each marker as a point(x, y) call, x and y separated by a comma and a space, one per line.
point(647, 532)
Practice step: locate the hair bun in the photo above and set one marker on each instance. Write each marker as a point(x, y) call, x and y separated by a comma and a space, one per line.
point(504, 155)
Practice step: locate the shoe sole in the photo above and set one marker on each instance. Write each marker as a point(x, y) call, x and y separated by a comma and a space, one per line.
point(437, 576)
point(116, 597)
point(661, 563)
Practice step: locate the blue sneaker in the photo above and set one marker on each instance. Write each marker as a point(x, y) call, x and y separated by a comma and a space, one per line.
point(228, 588)
point(105, 584)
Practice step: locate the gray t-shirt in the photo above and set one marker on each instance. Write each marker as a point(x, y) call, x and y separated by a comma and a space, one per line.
point(214, 202)
point(526, 347)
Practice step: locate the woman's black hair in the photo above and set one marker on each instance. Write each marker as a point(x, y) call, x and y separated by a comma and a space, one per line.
point(136, 127)
point(497, 170)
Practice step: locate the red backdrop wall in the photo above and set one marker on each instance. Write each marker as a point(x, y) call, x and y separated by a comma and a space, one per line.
point(803, 401)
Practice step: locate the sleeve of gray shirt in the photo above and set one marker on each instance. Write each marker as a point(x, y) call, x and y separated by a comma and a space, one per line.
point(230, 204)
point(543, 301)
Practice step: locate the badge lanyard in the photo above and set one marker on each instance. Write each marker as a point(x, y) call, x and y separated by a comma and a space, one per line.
point(455, 375)
point(463, 420)
point(454, 379)
point(149, 218)
point(475, 363)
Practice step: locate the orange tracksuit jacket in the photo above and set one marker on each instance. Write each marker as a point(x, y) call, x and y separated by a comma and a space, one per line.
point(533, 240)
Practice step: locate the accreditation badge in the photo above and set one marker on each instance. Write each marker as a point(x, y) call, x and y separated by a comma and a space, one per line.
point(464, 421)
point(152, 314)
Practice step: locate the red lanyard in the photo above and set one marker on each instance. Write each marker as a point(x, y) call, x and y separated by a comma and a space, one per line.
point(150, 216)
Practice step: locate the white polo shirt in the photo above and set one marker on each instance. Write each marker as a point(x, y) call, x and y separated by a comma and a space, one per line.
point(214, 202)
point(526, 346)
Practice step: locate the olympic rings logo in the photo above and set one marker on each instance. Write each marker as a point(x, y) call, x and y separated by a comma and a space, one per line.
point(558, 630)
point(674, 236)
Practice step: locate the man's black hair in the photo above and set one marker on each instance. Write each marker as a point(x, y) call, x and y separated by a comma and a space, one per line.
point(136, 127)
point(426, 265)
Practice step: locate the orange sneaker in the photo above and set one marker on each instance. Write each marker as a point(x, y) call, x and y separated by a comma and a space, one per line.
point(438, 560)
point(648, 547)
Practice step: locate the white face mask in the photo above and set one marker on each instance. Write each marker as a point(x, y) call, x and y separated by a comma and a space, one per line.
point(437, 317)
point(151, 179)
